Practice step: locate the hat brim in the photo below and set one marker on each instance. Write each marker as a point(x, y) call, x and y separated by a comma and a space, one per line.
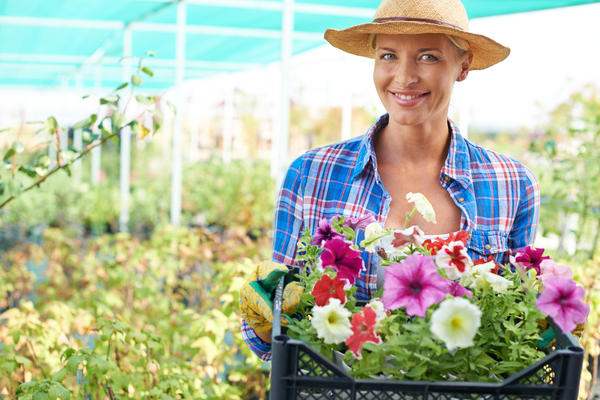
point(356, 39)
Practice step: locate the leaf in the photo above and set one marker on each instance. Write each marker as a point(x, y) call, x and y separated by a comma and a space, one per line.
point(136, 80)
point(122, 86)
point(73, 363)
point(51, 125)
point(145, 101)
point(116, 120)
point(109, 99)
point(40, 396)
point(11, 152)
point(28, 171)
point(172, 107)
point(60, 374)
point(147, 71)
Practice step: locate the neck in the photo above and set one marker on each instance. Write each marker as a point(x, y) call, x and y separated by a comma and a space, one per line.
point(413, 145)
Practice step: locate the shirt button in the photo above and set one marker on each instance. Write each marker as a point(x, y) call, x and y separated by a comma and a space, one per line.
point(461, 199)
point(488, 246)
point(446, 178)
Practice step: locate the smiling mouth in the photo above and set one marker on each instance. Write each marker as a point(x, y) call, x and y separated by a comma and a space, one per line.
point(407, 96)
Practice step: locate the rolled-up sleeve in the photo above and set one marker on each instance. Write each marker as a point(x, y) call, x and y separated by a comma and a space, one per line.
point(258, 347)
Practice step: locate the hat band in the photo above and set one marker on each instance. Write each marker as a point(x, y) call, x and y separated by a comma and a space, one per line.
point(409, 19)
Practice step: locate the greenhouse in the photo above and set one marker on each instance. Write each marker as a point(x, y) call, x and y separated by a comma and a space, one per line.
point(157, 152)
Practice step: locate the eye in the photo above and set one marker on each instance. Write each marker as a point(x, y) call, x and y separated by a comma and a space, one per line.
point(429, 57)
point(387, 56)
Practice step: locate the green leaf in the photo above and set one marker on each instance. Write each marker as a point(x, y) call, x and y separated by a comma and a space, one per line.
point(11, 152)
point(147, 71)
point(116, 120)
point(60, 375)
point(73, 363)
point(145, 101)
point(122, 86)
point(40, 396)
point(136, 80)
point(172, 107)
point(109, 99)
point(51, 125)
point(28, 171)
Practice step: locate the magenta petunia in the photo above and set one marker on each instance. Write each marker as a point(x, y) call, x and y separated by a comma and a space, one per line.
point(562, 300)
point(338, 255)
point(415, 284)
point(360, 222)
point(530, 258)
point(324, 232)
point(458, 290)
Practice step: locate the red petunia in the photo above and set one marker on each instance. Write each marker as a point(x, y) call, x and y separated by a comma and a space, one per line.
point(327, 288)
point(363, 328)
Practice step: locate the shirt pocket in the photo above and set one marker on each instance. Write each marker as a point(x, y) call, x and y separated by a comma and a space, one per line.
point(485, 243)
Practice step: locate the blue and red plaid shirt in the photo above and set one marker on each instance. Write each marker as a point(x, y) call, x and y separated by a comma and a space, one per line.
point(498, 196)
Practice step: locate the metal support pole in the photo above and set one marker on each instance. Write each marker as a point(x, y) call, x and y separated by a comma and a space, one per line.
point(287, 30)
point(97, 151)
point(125, 141)
point(176, 178)
point(228, 116)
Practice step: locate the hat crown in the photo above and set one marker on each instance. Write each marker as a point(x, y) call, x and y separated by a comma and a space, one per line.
point(447, 11)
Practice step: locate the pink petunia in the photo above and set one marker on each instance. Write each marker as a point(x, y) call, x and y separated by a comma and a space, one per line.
point(458, 290)
point(363, 330)
point(550, 269)
point(415, 284)
point(324, 232)
point(360, 222)
point(338, 255)
point(327, 288)
point(529, 258)
point(562, 300)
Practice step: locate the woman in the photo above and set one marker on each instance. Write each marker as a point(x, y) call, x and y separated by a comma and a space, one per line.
point(420, 48)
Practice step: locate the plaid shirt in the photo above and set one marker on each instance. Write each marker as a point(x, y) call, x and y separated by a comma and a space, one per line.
point(498, 198)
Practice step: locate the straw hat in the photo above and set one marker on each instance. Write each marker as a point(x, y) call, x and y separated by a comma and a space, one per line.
point(414, 17)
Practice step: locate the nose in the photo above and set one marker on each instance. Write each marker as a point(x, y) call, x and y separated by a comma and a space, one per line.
point(406, 73)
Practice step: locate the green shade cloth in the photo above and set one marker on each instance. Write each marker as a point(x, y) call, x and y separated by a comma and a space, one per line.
point(46, 42)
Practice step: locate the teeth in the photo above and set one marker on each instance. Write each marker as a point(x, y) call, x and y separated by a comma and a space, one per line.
point(405, 97)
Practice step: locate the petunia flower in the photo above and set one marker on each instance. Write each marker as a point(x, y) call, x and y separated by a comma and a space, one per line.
point(331, 322)
point(529, 258)
point(489, 258)
point(550, 269)
point(455, 322)
point(562, 300)
point(324, 232)
point(327, 288)
point(458, 290)
point(454, 259)
point(482, 276)
point(422, 205)
point(363, 330)
point(373, 234)
point(360, 222)
point(377, 306)
point(396, 243)
point(339, 255)
point(415, 284)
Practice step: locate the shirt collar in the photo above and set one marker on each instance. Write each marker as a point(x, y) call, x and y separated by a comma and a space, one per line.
point(366, 151)
point(458, 162)
point(457, 165)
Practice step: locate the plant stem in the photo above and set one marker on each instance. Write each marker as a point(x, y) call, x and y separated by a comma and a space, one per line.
point(61, 166)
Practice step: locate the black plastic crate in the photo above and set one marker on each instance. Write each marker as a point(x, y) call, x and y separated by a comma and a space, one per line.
point(299, 372)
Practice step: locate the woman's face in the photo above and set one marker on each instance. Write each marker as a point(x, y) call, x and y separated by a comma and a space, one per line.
point(414, 76)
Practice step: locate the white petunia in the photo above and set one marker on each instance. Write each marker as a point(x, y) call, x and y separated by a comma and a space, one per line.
point(454, 259)
point(423, 206)
point(377, 306)
point(332, 322)
point(482, 277)
point(373, 233)
point(456, 322)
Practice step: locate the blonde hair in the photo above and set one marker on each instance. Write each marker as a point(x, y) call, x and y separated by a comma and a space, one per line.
point(462, 45)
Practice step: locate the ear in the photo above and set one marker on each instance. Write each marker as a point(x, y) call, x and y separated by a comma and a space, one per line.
point(465, 64)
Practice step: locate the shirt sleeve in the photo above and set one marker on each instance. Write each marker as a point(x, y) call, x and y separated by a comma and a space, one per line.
point(288, 223)
point(258, 347)
point(527, 218)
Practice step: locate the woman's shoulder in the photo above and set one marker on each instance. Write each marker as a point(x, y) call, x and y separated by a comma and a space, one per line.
point(487, 161)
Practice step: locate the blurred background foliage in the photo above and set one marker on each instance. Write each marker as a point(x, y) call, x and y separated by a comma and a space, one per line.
point(94, 313)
